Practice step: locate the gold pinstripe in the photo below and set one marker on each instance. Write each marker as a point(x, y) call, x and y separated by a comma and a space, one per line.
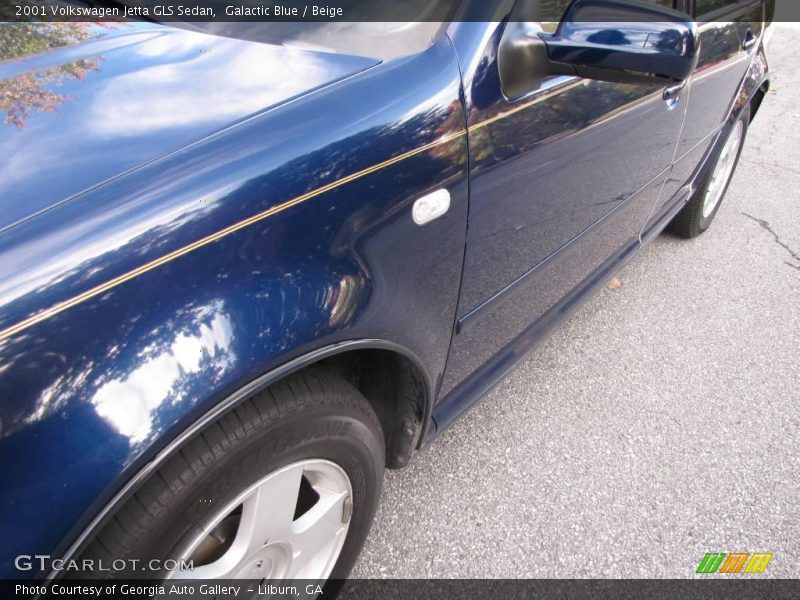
point(209, 239)
point(104, 287)
point(521, 107)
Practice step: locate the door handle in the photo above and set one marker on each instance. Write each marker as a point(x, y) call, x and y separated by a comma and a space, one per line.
point(750, 40)
point(672, 92)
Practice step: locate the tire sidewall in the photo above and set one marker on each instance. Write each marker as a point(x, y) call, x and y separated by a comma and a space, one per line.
point(320, 433)
point(705, 222)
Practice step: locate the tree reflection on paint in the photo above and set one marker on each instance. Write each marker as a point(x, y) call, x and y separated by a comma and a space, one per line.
point(34, 91)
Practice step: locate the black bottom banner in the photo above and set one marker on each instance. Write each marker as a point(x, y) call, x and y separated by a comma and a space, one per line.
point(408, 589)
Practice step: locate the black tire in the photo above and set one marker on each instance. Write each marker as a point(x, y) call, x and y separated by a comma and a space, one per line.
point(311, 414)
point(690, 222)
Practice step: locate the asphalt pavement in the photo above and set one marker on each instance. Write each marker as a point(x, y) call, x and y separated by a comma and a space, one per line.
point(659, 423)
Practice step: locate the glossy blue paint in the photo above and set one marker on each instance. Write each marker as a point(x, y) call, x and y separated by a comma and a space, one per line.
point(607, 39)
point(550, 198)
point(91, 393)
point(283, 207)
point(460, 399)
point(195, 85)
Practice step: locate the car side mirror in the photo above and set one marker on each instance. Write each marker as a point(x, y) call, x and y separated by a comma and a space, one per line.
point(624, 40)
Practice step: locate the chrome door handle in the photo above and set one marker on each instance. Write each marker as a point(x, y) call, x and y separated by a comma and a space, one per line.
point(673, 91)
point(750, 40)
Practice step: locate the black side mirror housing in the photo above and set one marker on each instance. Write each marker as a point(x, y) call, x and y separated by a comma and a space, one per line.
point(624, 40)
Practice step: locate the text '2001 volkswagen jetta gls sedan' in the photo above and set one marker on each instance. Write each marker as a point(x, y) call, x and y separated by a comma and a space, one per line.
point(243, 274)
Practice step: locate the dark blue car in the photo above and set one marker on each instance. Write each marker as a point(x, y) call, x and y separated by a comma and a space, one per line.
point(243, 269)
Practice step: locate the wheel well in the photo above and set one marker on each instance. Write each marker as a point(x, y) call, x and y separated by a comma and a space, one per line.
point(758, 98)
point(395, 385)
point(396, 388)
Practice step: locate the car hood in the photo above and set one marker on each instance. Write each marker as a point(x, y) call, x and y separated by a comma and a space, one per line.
point(84, 103)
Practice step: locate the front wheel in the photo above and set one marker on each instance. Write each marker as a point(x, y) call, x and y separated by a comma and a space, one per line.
point(699, 212)
point(284, 486)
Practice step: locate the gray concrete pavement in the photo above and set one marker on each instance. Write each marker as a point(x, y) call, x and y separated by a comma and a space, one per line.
point(661, 422)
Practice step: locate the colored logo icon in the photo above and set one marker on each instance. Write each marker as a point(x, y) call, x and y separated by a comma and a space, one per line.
point(736, 562)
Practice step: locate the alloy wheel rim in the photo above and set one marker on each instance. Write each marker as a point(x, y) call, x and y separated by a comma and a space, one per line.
point(291, 524)
point(723, 170)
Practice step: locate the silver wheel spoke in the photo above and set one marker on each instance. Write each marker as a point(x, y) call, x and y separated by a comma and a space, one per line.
point(267, 513)
point(258, 537)
point(315, 532)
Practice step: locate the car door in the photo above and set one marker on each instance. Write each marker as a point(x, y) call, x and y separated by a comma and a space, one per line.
point(729, 31)
point(562, 181)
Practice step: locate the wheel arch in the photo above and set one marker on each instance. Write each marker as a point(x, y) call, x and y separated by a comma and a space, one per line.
point(391, 377)
point(754, 87)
